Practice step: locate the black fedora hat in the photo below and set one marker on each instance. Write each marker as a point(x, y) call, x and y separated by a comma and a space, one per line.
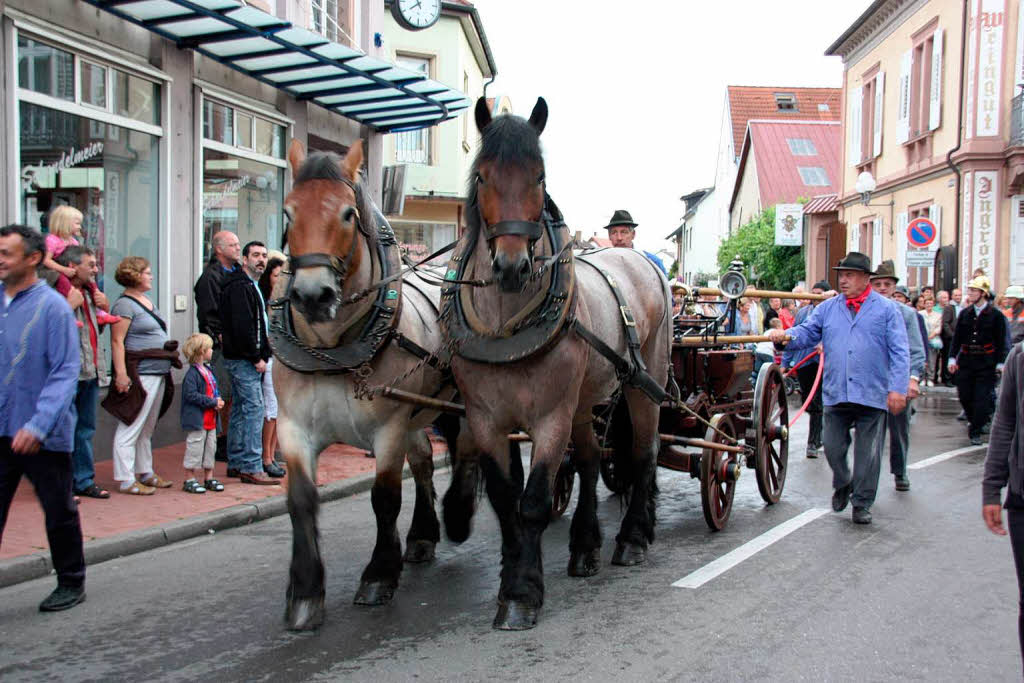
point(621, 217)
point(854, 261)
point(886, 269)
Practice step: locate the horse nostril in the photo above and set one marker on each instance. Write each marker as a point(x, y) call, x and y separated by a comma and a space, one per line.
point(326, 296)
point(525, 267)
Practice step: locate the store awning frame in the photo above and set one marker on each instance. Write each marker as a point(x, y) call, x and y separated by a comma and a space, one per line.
point(304, 64)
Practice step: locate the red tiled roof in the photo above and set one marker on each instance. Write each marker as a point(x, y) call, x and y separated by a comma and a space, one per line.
point(826, 203)
point(600, 241)
point(778, 177)
point(756, 102)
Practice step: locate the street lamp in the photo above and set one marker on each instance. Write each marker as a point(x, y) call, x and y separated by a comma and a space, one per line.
point(865, 185)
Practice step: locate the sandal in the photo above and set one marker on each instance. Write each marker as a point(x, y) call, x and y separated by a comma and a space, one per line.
point(213, 485)
point(193, 486)
point(157, 482)
point(138, 489)
point(93, 491)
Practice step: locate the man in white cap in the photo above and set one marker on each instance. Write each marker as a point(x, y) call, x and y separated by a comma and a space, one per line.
point(1013, 300)
point(979, 347)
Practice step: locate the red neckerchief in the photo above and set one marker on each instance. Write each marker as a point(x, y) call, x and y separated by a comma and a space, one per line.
point(856, 302)
point(93, 340)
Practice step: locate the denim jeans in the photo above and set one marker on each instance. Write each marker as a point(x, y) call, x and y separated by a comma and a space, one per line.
point(245, 437)
point(82, 465)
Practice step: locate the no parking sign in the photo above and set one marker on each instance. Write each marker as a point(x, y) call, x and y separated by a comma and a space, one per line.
point(922, 243)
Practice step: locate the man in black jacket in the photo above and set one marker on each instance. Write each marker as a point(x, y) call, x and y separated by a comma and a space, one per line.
point(224, 261)
point(948, 326)
point(977, 353)
point(246, 351)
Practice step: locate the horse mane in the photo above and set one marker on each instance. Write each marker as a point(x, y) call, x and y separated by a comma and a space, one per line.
point(327, 166)
point(508, 141)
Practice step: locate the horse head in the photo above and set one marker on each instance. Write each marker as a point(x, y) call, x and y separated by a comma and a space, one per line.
point(507, 191)
point(324, 231)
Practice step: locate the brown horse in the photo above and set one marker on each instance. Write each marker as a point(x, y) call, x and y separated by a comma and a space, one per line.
point(512, 233)
point(335, 248)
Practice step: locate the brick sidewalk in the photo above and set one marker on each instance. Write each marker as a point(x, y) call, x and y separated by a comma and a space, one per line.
point(25, 532)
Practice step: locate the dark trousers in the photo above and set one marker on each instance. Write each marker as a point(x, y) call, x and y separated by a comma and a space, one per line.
point(898, 427)
point(806, 374)
point(1015, 524)
point(869, 424)
point(976, 387)
point(944, 360)
point(50, 475)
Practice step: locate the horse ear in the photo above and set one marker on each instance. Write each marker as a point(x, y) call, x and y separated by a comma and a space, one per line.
point(482, 114)
point(539, 116)
point(296, 155)
point(353, 160)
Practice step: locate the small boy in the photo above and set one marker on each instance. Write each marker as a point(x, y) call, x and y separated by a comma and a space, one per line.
point(200, 401)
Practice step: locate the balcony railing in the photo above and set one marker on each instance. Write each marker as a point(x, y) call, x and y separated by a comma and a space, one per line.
point(1017, 120)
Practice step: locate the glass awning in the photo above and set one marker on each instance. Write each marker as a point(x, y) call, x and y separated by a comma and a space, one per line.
point(302, 63)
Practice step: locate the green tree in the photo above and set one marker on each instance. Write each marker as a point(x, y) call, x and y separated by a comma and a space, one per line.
point(768, 266)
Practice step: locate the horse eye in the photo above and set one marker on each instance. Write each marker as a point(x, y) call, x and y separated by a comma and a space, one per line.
point(541, 179)
point(479, 179)
point(348, 214)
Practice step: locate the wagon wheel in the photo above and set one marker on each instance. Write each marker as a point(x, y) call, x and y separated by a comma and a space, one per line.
point(771, 430)
point(718, 474)
point(614, 432)
point(564, 480)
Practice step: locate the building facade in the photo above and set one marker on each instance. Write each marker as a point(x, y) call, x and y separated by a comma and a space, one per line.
point(939, 141)
point(431, 165)
point(159, 144)
point(697, 239)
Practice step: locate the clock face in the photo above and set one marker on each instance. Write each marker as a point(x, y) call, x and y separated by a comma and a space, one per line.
point(416, 14)
point(733, 285)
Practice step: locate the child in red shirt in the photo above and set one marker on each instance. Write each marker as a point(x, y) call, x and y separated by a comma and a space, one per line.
point(200, 401)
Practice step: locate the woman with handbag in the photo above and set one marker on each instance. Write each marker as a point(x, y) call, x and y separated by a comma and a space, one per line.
point(140, 349)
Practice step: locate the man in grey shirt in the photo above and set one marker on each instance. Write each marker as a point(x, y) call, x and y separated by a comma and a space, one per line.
point(884, 282)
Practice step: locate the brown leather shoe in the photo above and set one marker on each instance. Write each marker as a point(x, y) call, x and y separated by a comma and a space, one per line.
point(257, 479)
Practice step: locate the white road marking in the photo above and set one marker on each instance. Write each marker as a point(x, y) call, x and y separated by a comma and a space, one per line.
point(944, 456)
point(747, 550)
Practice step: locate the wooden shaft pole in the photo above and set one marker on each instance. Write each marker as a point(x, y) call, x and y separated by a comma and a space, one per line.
point(699, 443)
point(722, 340)
point(762, 294)
point(424, 401)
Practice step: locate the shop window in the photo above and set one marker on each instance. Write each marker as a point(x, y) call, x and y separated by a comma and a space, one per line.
point(135, 98)
point(268, 138)
point(413, 147)
point(243, 196)
point(421, 239)
point(110, 174)
point(94, 85)
point(243, 131)
point(45, 69)
point(218, 122)
point(231, 126)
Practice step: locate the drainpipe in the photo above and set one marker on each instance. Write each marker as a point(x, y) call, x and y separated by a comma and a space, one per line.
point(487, 84)
point(959, 139)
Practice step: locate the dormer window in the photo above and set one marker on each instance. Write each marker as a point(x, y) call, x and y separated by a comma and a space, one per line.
point(785, 101)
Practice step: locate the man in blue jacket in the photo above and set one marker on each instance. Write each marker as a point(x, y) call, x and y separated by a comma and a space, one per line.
point(867, 373)
point(39, 366)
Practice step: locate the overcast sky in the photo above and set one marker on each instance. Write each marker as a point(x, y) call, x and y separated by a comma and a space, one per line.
point(636, 89)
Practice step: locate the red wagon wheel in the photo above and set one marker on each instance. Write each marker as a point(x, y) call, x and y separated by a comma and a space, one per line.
point(564, 481)
point(771, 428)
point(718, 473)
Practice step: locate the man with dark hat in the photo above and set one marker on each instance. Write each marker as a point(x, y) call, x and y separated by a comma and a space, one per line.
point(898, 424)
point(806, 375)
point(622, 230)
point(976, 354)
point(867, 372)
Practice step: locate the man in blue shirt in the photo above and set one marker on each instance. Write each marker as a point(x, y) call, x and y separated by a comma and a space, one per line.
point(39, 366)
point(867, 372)
point(622, 231)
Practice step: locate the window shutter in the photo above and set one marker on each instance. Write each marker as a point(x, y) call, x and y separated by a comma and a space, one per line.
point(876, 242)
point(935, 99)
point(879, 91)
point(854, 125)
point(854, 237)
point(903, 107)
point(901, 245)
point(935, 216)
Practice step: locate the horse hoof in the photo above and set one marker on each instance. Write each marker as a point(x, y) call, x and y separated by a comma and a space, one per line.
point(374, 593)
point(585, 564)
point(515, 616)
point(304, 614)
point(629, 554)
point(419, 551)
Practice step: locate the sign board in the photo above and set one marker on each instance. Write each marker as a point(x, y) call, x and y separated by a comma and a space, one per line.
point(789, 225)
point(921, 243)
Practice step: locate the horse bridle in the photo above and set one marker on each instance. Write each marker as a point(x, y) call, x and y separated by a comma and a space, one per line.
point(531, 230)
point(323, 260)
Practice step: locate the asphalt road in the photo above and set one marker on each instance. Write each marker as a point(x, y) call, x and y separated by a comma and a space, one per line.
point(924, 593)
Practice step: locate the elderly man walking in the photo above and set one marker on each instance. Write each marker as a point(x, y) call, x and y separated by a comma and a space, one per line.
point(867, 372)
point(40, 362)
point(898, 424)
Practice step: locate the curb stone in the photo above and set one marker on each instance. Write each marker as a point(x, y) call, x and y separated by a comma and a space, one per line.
point(28, 567)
